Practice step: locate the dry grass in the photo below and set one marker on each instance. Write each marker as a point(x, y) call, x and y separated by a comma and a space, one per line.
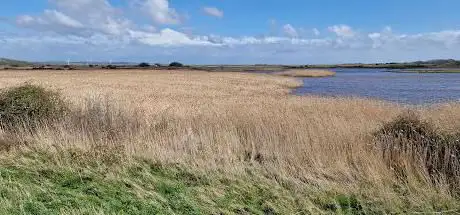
point(306, 73)
point(231, 122)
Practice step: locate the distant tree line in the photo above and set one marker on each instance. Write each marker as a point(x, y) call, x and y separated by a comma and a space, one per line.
point(173, 64)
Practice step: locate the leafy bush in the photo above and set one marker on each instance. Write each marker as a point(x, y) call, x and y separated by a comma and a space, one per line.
point(28, 104)
point(408, 138)
point(176, 64)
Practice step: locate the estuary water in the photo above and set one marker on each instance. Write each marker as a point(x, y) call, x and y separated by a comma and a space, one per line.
point(406, 88)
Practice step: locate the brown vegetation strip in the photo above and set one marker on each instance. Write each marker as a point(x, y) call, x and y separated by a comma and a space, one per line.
point(306, 73)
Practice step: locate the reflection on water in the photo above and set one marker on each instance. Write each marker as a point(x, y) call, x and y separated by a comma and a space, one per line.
point(405, 88)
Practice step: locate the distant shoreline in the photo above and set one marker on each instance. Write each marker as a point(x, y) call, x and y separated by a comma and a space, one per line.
point(427, 71)
point(237, 68)
point(9, 64)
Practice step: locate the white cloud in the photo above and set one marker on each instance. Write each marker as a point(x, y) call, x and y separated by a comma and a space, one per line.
point(25, 20)
point(212, 11)
point(86, 19)
point(172, 38)
point(84, 27)
point(167, 44)
point(49, 18)
point(389, 40)
point(149, 28)
point(160, 11)
point(290, 31)
point(62, 19)
point(168, 37)
point(250, 40)
point(79, 17)
point(316, 32)
point(83, 5)
point(342, 31)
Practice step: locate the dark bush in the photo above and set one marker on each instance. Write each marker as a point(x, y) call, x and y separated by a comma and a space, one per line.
point(38, 67)
point(109, 67)
point(28, 104)
point(143, 65)
point(409, 126)
point(176, 64)
point(408, 138)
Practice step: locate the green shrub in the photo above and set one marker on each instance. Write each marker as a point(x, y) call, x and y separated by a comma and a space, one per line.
point(29, 104)
point(408, 138)
point(409, 126)
point(143, 65)
point(176, 64)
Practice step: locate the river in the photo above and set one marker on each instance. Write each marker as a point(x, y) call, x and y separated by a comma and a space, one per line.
point(405, 88)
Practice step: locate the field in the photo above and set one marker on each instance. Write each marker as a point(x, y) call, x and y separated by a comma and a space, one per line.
point(195, 142)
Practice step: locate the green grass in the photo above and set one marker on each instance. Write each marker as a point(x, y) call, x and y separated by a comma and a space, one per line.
point(77, 183)
point(34, 184)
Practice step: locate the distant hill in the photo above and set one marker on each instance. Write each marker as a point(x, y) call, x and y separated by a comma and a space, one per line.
point(11, 62)
point(440, 63)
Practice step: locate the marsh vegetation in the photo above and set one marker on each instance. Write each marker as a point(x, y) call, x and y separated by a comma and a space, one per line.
point(306, 73)
point(191, 142)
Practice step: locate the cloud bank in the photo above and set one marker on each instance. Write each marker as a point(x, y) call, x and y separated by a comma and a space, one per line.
point(80, 29)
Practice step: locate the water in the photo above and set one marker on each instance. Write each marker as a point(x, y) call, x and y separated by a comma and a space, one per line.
point(406, 88)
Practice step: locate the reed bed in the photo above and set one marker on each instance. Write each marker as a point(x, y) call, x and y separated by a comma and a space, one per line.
point(241, 125)
point(306, 73)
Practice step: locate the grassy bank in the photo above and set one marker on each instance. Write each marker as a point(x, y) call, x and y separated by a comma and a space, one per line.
point(306, 73)
point(80, 183)
point(182, 142)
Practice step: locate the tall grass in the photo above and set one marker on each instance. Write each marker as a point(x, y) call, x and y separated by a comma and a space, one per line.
point(409, 142)
point(324, 154)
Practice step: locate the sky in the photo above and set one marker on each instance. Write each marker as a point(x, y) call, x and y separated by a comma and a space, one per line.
point(230, 31)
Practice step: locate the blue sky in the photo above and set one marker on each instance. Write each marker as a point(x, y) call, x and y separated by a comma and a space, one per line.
point(230, 31)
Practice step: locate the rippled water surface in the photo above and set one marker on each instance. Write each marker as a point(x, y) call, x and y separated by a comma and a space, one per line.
point(408, 88)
